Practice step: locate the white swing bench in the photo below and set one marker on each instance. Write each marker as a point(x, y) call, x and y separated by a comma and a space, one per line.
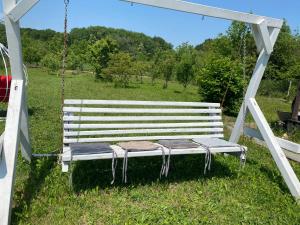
point(112, 121)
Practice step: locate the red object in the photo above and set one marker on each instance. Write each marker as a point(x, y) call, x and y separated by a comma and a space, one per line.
point(4, 91)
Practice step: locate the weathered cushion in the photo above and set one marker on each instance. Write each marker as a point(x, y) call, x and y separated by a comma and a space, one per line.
point(215, 142)
point(138, 146)
point(88, 149)
point(178, 144)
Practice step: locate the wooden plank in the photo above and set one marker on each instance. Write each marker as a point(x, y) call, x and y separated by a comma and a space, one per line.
point(253, 86)
point(288, 145)
point(24, 131)
point(141, 125)
point(11, 142)
point(21, 8)
point(1, 144)
point(142, 103)
point(142, 118)
point(143, 131)
point(120, 153)
point(262, 27)
point(257, 38)
point(195, 8)
point(277, 153)
point(137, 110)
point(141, 138)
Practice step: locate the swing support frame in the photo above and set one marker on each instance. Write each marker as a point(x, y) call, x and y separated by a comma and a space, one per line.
point(265, 32)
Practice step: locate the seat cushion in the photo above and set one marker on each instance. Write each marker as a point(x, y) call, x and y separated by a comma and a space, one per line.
point(178, 144)
point(215, 142)
point(138, 146)
point(88, 149)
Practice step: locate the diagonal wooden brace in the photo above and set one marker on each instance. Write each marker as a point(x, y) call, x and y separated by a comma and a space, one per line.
point(10, 149)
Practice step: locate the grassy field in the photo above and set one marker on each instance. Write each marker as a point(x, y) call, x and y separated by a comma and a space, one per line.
point(256, 194)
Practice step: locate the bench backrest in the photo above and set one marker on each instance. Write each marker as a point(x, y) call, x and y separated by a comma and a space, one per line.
point(87, 121)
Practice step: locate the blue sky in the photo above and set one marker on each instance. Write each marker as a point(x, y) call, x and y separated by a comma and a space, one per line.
point(175, 27)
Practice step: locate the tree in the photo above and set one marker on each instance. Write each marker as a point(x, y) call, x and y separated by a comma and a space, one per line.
point(283, 58)
point(186, 60)
point(100, 53)
point(120, 69)
point(221, 80)
point(74, 62)
point(140, 68)
point(155, 69)
point(166, 66)
point(32, 55)
point(52, 62)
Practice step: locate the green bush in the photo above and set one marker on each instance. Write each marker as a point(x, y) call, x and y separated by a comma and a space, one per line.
point(119, 69)
point(51, 62)
point(221, 80)
point(277, 88)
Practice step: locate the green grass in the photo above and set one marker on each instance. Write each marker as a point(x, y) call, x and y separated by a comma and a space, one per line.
point(227, 195)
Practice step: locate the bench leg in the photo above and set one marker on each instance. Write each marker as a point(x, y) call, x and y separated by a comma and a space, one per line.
point(65, 166)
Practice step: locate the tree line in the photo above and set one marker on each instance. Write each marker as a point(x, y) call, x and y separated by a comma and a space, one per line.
point(221, 66)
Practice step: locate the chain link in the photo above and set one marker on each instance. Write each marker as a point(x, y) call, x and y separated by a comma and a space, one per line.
point(65, 52)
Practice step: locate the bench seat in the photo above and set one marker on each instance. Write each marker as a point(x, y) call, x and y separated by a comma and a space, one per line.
point(120, 153)
point(113, 121)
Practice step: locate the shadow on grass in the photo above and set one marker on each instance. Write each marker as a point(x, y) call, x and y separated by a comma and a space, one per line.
point(31, 111)
point(276, 178)
point(144, 171)
point(269, 173)
point(37, 175)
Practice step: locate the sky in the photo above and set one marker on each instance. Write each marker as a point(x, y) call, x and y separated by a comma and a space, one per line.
point(174, 27)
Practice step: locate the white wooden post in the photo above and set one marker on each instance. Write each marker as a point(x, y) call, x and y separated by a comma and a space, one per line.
point(24, 134)
point(278, 154)
point(15, 112)
point(10, 150)
point(253, 86)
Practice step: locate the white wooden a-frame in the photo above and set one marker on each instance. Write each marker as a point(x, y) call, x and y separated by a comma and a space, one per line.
point(265, 32)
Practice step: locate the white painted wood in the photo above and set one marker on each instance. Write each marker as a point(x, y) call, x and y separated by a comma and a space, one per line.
point(292, 155)
point(288, 145)
point(141, 125)
point(135, 103)
point(14, 42)
point(141, 118)
point(137, 110)
point(138, 138)
point(12, 125)
point(1, 144)
point(24, 134)
point(10, 150)
point(204, 10)
point(278, 155)
point(143, 131)
point(264, 33)
point(253, 86)
point(256, 136)
point(120, 153)
point(257, 38)
point(21, 8)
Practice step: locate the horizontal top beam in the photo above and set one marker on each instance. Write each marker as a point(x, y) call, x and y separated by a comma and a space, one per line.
point(20, 9)
point(204, 10)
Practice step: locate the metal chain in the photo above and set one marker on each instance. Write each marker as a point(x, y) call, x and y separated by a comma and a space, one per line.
point(65, 52)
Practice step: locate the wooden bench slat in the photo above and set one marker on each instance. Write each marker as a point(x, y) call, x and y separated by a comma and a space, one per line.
point(120, 153)
point(143, 131)
point(142, 125)
point(145, 103)
point(142, 118)
point(138, 110)
point(137, 138)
